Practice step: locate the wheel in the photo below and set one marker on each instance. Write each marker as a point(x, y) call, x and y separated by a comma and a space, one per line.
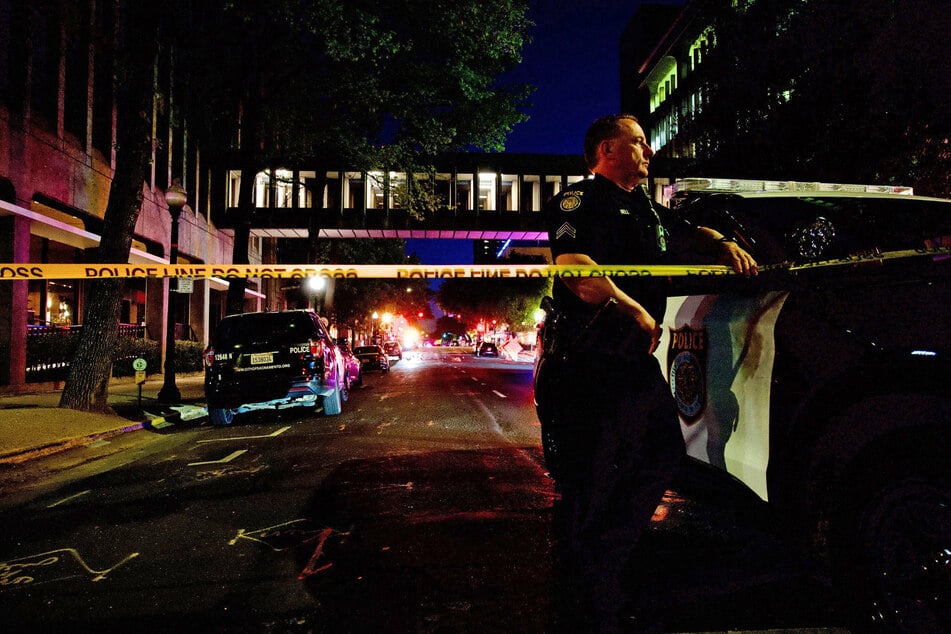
point(333, 403)
point(901, 562)
point(221, 416)
point(892, 538)
point(345, 392)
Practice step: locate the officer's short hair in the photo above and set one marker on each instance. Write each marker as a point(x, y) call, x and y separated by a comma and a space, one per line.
point(602, 129)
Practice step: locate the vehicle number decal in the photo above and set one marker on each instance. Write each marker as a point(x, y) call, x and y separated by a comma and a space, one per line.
point(260, 358)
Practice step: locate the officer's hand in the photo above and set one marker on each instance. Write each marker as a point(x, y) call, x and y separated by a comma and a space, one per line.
point(741, 261)
point(655, 337)
point(649, 325)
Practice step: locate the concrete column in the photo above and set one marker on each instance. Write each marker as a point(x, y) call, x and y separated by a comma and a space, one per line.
point(14, 247)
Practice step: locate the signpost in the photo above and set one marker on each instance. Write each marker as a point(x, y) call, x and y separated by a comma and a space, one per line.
point(139, 366)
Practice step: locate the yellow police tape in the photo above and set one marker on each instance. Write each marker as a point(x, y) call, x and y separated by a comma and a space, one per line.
point(397, 271)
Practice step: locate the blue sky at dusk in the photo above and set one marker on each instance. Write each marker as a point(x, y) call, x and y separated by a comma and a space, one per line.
point(573, 62)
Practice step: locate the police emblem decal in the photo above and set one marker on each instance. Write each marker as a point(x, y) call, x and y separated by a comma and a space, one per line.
point(570, 202)
point(687, 371)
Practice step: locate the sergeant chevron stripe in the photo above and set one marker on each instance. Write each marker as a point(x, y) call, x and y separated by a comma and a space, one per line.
point(565, 230)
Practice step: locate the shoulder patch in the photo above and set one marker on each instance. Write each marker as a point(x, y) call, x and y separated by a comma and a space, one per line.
point(571, 201)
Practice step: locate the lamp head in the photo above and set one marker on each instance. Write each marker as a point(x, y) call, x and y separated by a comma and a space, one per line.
point(175, 194)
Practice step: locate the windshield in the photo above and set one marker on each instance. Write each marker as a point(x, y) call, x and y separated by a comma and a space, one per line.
point(276, 328)
point(796, 229)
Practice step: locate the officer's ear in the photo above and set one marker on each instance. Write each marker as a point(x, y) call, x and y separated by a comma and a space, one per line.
point(605, 149)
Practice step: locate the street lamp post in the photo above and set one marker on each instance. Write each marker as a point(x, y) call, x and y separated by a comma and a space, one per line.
point(175, 197)
point(315, 286)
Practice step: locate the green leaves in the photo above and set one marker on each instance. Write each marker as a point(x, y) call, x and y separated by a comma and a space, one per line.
point(381, 83)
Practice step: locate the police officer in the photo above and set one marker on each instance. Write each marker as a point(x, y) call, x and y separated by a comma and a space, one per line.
point(610, 428)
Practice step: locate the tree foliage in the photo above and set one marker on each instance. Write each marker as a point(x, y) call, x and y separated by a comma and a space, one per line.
point(828, 90)
point(365, 84)
point(418, 196)
point(354, 300)
point(354, 83)
point(508, 300)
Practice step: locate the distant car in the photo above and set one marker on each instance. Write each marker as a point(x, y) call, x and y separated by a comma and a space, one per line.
point(272, 360)
point(350, 362)
point(487, 349)
point(372, 358)
point(393, 349)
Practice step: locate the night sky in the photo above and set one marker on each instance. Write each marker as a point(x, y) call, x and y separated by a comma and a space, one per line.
point(573, 62)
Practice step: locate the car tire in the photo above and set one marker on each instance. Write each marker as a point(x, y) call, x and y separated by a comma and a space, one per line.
point(221, 416)
point(892, 553)
point(345, 393)
point(333, 403)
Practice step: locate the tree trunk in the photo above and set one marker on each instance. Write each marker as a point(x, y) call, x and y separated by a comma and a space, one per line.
point(250, 165)
point(87, 384)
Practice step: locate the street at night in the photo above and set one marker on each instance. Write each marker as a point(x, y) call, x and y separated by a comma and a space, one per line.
point(306, 307)
point(423, 507)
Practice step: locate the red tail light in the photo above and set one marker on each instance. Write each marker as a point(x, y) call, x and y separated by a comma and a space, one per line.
point(209, 357)
point(316, 348)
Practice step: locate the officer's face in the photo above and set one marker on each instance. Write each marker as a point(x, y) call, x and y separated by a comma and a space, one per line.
point(633, 152)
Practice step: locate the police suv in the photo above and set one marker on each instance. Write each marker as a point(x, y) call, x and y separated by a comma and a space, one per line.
point(823, 385)
point(273, 360)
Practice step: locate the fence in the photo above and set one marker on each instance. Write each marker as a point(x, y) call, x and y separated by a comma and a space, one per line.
point(49, 349)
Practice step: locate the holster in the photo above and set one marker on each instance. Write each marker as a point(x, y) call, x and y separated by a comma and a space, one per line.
point(605, 333)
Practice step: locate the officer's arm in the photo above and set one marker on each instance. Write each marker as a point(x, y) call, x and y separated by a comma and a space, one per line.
point(595, 290)
point(711, 242)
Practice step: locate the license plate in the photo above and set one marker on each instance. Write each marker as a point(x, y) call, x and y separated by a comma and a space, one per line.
point(260, 358)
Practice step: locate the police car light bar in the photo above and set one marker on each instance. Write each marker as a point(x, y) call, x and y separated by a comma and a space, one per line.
point(742, 185)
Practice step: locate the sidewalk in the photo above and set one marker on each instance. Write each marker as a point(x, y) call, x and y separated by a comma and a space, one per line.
point(32, 425)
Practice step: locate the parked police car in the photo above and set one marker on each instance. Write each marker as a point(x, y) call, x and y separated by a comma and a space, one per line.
point(824, 384)
point(273, 360)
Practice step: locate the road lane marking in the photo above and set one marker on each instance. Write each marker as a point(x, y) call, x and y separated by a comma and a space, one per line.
point(67, 499)
point(277, 433)
point(499, 394)
point(227, 458)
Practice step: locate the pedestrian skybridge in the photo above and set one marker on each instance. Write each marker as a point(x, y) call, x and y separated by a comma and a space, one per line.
point(469, 197)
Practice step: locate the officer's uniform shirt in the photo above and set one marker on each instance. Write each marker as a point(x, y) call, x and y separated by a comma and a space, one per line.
point(597, 218)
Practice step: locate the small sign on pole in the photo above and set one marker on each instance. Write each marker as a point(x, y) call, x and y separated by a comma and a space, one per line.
point(139, 365)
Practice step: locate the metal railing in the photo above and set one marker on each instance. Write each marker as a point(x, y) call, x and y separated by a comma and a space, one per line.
point(49, 349)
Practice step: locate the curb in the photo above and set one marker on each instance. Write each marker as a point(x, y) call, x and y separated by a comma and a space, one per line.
point(24, 455)
point(184, 413)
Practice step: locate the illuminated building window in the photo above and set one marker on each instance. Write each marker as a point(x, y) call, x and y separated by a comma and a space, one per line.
point(662, 81)
point(486, 192)
point(700, 48)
